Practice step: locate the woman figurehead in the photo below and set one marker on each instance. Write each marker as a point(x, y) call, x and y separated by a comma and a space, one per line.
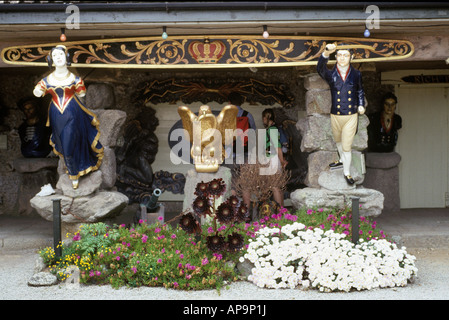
point(59, 56)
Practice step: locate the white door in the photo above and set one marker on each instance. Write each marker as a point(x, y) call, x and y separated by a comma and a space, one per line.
point(424, 146)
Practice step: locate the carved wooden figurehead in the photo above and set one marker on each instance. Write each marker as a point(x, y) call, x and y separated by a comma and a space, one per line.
point(208, 135)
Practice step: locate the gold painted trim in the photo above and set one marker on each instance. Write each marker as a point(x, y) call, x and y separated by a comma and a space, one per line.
point(182, 39)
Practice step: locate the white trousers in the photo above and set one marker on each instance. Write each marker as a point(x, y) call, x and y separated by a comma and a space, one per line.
point(344, 129)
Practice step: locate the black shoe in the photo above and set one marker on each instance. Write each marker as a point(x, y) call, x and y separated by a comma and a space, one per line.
point(336, 164)
point(349, 180)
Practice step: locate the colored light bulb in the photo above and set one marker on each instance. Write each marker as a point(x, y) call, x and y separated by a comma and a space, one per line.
point(366, 33)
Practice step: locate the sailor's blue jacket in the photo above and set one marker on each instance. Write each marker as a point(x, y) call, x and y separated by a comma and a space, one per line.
point(347, 95)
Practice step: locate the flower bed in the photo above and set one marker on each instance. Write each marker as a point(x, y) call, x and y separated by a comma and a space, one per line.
point(294, 255)
point(310, 248)
point(143, 255)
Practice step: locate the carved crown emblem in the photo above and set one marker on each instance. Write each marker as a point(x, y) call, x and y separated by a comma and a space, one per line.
point(206, 51)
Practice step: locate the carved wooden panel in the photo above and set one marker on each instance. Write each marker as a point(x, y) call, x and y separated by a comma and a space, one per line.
point(207, 51)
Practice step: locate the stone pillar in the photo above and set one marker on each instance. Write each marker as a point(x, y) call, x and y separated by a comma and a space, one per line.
point(317, 133)
point(329, 185)
point(382, 174)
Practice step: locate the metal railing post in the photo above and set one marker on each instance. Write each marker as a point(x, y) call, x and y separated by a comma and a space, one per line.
point(355, 220)
point(57, 243)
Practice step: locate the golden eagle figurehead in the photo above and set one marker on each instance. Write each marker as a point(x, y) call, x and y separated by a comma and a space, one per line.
point(207, 134)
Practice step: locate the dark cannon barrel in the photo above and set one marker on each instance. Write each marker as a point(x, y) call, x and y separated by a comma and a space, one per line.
point(151, 203)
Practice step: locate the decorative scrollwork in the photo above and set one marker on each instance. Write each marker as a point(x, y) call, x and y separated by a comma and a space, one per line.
point(194, 52)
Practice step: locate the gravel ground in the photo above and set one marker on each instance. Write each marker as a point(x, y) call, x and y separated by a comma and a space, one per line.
point(16, 268)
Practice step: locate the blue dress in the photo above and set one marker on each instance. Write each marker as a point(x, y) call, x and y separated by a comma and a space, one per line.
point(75, 135)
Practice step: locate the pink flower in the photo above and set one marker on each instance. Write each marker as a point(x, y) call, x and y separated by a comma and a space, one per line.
point(173, 236)
point(118, 258)
point(175, 284)
point(160, 218)
point(159, 260)
point(157, 230)
point(163, 250)
point(282, 210)
point(218, 256)
point(134, 269)
point(310, 211)
point(181, 256)
point(210, 230)
point(204, 261)
point(144, 238)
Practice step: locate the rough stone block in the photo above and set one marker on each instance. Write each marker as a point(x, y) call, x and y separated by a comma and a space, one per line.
point(371, 201)
point(90, 209)
point(108, 169)
point(88, 184)
point(317, 163)
point(313, 81)
point(42, 279)
point(317, 133)
point(319, 174)
point(318, 101)
point(111, 122)
point(25, 165)
point(100, 96)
